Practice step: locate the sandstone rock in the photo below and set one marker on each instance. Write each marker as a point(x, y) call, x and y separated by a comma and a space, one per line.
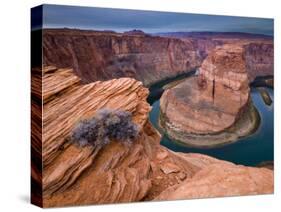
point(168, 168)
point(75, 175)
point(220, 180)
point(71, 97)
point(269, 82)
point(102, 55)
point(159, 178)
point(162, 155)
point(66, 101)
point(210, 103)
point(259, 49)
point(259, 57)
point(182, 176)
point(265, 96)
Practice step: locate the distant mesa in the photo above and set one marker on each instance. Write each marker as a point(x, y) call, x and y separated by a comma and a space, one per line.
point(135, 32)
point(109, 31)
point(206, 34)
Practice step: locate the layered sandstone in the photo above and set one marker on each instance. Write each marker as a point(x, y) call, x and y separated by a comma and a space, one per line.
point(221, 180)
point(212, 102)
point(75, 175)
point(106, 55)
point(259, 58)
point(63, 96)
point(145, 170)
point(259, 49)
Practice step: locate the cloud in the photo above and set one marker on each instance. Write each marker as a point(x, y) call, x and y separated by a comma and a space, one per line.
point(149, 21)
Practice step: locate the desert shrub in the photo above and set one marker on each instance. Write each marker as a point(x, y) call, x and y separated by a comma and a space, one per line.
point(105, 126)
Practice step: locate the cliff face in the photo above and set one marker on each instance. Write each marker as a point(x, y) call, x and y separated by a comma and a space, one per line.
point(224, 73)
point(104, 55)
point(98, 55)
point(145, 170)
point(260, 59)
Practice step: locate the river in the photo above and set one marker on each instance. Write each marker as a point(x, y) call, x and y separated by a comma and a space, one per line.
point(251, 150)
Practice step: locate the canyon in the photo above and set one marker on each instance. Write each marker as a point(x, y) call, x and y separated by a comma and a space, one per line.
point(118, 173)
point(105, 55)
point(214, 107)
point(84, 71)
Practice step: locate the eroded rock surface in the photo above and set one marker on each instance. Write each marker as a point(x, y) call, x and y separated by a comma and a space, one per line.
point(211, 102)
point(104, 55)
point(103, 177)
point(100, 55)
point(222, 180)
point(260, 59)
point(75, 175)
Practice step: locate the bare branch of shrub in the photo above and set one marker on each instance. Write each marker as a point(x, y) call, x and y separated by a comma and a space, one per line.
point(105, 126)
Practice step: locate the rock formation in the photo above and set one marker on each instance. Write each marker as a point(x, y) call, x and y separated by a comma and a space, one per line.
point(259, 58)
point(211, 103)
point(104, 55)
point(265, 96)
point(221, 180)
point(98, 55)
point(145, 170)
point(259, 48)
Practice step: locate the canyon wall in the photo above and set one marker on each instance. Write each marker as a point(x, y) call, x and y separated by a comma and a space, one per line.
point(259, 48)
point(142, 171)
point(98, 55)
point(260, 59)
point(105, 55)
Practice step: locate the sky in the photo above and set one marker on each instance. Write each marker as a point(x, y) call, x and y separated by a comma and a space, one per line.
point(120, 20)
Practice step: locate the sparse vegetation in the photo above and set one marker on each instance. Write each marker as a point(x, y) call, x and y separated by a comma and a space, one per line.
point(105, 126)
